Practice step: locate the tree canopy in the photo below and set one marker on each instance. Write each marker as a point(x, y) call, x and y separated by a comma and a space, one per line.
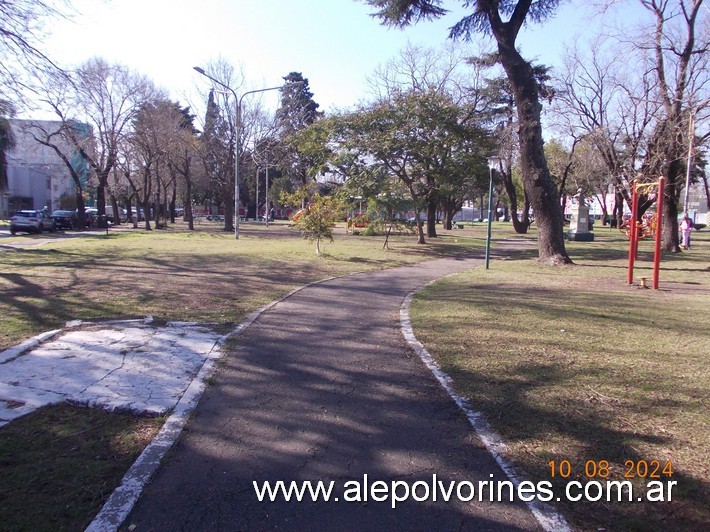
point(297, 111)
point(487, 16)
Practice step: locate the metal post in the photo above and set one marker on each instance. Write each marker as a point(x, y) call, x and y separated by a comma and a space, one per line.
point(256, 213)
point(659, 227)
point(237, 127)
point(493, 162)
point(633, 235)
point(266, 193)
point(691, 134)
point(490, 217)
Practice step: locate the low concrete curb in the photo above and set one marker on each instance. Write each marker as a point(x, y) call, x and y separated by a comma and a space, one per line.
point(549, 519)
point(11, 353)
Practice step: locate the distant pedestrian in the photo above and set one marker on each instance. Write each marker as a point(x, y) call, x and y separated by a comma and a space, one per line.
point(686, 225)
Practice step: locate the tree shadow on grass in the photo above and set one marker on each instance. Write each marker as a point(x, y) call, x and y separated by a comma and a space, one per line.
point(527, 378)
point(50, 287)
point(505, 401)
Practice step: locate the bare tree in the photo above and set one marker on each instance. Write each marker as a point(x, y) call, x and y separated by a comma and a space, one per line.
point(182, 160)
point(638, 119)
point(157, 140)
point(589, 173)
point(21, 30)
point(606, 105)
point(106, 98)
point(445, 70)
point(681, 69)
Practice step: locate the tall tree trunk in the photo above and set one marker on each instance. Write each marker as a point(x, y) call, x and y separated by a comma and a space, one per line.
point(188, 204)
point(129, 211)
point(115, 209)
point(670, 238)
point(420, 231)
point(101, 198)
point(520, 226)
point(80, 208)
point(156, 203)
point(431, 218)
point(173, 201)
point(540, 187)
point(417, 213)
point(449, 213)
point(618, 207)
point(147, 195)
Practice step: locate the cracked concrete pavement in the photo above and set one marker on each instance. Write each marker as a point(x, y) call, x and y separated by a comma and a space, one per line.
point(122, 365)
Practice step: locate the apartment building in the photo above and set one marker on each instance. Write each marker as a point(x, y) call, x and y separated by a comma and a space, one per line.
point(37, 176)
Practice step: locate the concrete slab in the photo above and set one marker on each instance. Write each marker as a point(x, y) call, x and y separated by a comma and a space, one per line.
point(132, 366)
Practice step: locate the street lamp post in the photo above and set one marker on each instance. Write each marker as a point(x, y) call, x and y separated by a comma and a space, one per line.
point(237, 128)
point(493, 162)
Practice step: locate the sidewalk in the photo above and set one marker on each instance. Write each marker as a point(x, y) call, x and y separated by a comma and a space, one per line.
point(324, 387)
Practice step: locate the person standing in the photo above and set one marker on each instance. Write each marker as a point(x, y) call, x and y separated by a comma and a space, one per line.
point(686, 225)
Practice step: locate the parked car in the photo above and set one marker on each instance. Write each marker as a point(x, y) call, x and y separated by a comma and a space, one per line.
point(65, 219)
point(122, 215)
point(28, 221)
point(90, 216)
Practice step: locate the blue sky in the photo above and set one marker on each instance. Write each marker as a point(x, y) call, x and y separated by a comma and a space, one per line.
point(334, 43)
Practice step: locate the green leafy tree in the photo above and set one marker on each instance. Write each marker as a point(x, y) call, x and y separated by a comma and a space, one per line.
point(297, 111)
point(217, 158)
point(488, 17)
point(419, 138)
point(318, 218)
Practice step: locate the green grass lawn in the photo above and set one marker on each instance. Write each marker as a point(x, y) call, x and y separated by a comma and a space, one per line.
point(571, 363)
point(60, 464)
point(205, 275)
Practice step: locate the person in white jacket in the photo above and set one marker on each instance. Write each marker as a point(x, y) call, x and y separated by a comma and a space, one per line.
point(686, 225)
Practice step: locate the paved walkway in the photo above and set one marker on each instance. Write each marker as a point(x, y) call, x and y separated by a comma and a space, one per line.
point(324, 387)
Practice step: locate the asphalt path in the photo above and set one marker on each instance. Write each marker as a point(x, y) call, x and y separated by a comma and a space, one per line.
point(324, 387)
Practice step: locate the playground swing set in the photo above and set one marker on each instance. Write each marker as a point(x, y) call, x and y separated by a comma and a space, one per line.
point(647, 228)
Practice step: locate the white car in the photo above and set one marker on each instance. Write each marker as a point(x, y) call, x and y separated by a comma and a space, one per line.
point(31, 222)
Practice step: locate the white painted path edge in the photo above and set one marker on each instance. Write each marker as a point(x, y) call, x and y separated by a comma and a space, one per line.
point(548, 517)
